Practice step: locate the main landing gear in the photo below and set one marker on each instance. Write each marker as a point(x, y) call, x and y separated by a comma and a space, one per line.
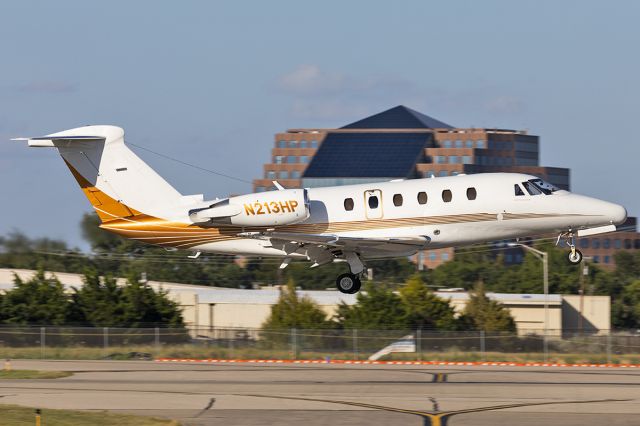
point(574, 256)
point(349, 283)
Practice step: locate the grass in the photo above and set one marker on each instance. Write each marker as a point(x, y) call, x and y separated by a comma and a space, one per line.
point(12, 415)
point(32, 374)
point(203, 351)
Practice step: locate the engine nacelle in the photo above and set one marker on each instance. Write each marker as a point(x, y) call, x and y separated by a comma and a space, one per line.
point(272, 208)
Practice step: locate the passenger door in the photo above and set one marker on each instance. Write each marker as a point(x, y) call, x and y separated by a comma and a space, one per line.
point(373, 204)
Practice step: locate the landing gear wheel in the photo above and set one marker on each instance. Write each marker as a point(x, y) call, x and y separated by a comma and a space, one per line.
point(348, 283)
point(574, 257)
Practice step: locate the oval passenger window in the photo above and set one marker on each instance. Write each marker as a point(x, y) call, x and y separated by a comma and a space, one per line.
point(348, 204)
point(446, 196)
point(422, 198)
point(471, 193)
point(397, 200)
point(373, 202)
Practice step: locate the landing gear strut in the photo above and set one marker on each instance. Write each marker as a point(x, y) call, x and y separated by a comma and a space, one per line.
point(574, 256)
point(348, 283)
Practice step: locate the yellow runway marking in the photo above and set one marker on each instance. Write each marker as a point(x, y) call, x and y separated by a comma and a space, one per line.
point(434, 418)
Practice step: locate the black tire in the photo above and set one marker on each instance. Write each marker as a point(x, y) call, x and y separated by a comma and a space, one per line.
point(348, 283)
point(574, 259)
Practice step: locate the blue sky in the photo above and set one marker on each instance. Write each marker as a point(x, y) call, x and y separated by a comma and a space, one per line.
point(211, 82)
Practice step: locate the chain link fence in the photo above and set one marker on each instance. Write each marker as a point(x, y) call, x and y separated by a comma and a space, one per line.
point(356, 344)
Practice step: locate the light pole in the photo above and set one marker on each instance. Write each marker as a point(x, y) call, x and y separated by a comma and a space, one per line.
point(544, 257)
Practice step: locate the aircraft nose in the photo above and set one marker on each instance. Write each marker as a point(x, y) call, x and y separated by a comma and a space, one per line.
point(618, 214)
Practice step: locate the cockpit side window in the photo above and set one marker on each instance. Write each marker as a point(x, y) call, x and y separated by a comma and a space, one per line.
point(543, 186)
point(519, 192)
point(531, 188)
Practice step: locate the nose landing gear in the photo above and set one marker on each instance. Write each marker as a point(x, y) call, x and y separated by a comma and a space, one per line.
point(574, 256)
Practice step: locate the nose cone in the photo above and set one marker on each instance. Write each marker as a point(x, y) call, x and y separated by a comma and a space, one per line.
point(618, 214)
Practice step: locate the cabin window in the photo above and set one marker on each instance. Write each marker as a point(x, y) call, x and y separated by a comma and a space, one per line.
point(348, 204)
point(397, 200)
point(471, 194)
point(447, 196)
point(373, 202)
point(422, 197)
point(518, 190)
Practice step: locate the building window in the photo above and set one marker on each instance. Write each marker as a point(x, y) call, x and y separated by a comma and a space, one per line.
point(606, 243)
point(422, 198)
point(459, 143)
point(617, 244)
point(627, 244)
point(433, 256)
point(584, 243)
point(471, 194)
point(314, 143)
point(271, 175)
point(508, 258)
point(397, 200)
point(282, 144)
point(293, 144)
point(443, 173)
point(596, 243)
point(446, 144)
point(373, 202)
point(453, 159)
point(596, 259)
point(304, 159)
point(607, 259)
point(480, 144)
point(445, 256)
point(466, 159)
point(292, 159)
point(295, 174)
point(447, 196)
point(303, 144)
point(279, 159)
point(636, 244)
point(348, 204)
point(441, 159)
point(429, 173)
point(469, 144)
point(284, 174)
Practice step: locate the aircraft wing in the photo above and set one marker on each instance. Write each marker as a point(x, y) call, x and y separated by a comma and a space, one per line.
point(367, 247)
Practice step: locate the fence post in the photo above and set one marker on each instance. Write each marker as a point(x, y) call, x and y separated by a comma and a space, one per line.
point(157, 340)
point(419, 343)
point(105, 338)
point(609, 347)
point(355, 344)
point(482, 345)
point(42, 342)
point(294, 344)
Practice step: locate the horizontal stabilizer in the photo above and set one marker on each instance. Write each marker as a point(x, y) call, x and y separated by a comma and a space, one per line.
point(48, 141)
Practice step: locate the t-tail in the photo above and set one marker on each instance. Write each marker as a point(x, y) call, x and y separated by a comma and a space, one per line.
point(116, 181)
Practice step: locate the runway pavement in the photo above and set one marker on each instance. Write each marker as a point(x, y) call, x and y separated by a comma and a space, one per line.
point(252, 394)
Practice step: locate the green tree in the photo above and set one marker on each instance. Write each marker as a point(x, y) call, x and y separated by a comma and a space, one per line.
point(377, 307)
point(142, 306)
point(99, 302)
point(292, 311)
point(482, 313)
point(626, 308)
point(424, 309)
point(40, 300)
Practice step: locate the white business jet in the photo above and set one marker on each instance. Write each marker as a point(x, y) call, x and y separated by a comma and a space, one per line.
point(352, 223)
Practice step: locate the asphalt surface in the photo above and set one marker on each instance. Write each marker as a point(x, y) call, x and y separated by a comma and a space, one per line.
point(248, 394)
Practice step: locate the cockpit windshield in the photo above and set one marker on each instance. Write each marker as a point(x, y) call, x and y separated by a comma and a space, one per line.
point(538, 186)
